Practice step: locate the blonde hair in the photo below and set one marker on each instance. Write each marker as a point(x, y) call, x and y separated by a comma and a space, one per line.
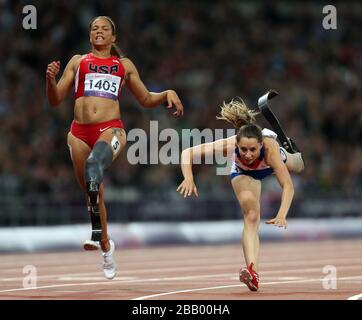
point(237, 113)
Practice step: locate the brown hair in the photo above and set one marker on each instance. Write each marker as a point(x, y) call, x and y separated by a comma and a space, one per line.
point(250, 130)
point(240, 116)
point(115, 50)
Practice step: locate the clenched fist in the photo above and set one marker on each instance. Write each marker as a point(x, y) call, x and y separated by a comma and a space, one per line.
point(52, 70)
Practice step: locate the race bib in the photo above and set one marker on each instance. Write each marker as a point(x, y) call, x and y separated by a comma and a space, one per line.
point(102, 85)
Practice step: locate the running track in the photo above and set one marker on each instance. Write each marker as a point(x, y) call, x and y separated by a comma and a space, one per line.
point(288, 271)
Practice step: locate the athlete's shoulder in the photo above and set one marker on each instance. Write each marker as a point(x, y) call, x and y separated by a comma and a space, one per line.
point(271, 151)
point(270, 142)
point(76, 60)
point(271, 145)
point(127, 62)
point(77, 57)
point(125, 59)
point(129, 66)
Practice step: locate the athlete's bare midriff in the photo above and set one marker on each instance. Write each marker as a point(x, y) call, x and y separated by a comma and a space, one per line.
point(88, 110)
point(95, 109)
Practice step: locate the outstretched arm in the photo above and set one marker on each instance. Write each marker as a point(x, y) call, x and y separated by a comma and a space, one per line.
point(56, 92)
point(187, 186)
point(150, 99)
point(285, 181)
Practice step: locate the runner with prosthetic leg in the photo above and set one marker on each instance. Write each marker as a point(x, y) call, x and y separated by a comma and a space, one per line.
point(248, 275)
point(255, 154)
point(97, 134)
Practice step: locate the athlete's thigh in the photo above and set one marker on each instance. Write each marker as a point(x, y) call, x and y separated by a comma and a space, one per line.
point(247, 189)
point(116, 138)
point(79, 152)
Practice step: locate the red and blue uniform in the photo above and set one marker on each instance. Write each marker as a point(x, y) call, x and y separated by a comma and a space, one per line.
point(258, 169)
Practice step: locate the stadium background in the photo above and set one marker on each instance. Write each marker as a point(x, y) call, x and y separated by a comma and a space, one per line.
point(208, 53)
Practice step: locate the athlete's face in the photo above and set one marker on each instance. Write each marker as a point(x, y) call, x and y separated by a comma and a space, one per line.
point(249, 149)
point(101, 33)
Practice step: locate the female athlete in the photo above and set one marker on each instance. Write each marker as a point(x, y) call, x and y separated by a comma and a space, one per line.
point(97, 133)
point(255, 155)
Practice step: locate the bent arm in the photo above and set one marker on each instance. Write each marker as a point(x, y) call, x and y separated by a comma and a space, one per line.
point(189, 155)
point(284, 179)
point(286, 183)
point(57, 92)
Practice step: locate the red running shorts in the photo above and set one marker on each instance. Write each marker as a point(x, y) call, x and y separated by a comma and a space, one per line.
point(90, 133)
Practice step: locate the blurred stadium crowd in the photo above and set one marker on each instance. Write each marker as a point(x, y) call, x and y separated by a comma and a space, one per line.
point(208, 53)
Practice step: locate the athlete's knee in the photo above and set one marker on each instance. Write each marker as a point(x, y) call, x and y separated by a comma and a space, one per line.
point(93, 169)
point(99, 159)
point(301, 164)
point(250, 207)
point(251, 217)
point(298, 165)
point(299, 169)
point(246, 199)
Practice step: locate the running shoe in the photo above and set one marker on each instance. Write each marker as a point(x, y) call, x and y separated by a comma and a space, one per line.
point(249, 277)
point(109, 264)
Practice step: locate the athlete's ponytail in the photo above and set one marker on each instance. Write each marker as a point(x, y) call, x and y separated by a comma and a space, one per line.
point(116, 51)
point(237, 113)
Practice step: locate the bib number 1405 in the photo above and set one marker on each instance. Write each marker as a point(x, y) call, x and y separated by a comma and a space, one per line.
point(103, 85)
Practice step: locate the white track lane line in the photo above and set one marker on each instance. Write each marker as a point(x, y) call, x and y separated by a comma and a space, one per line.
point(231, 286)
point(133, 272)
point(165, 279)
point(356, 297)
point(118, 281)
point(83, 276)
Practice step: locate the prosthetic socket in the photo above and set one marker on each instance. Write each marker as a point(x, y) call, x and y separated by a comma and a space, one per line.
point(99, 159)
